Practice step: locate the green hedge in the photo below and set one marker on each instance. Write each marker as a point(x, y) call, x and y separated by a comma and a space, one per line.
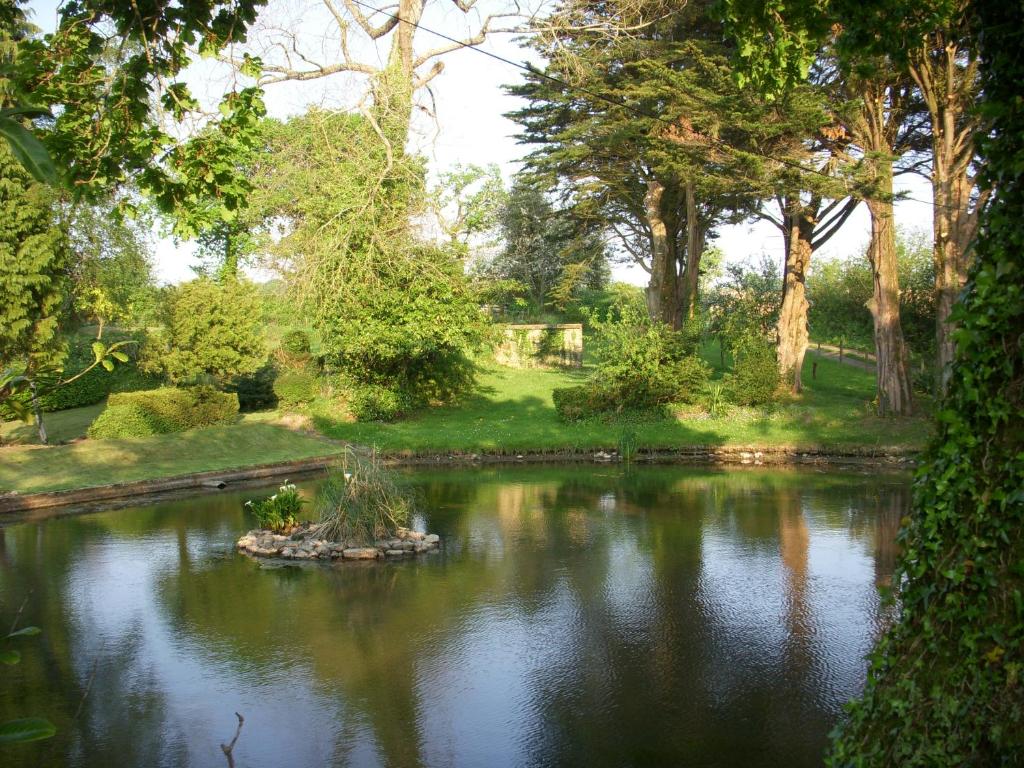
point(159, 411)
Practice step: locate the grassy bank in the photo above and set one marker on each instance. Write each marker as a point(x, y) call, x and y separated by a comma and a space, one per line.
point(511, 411)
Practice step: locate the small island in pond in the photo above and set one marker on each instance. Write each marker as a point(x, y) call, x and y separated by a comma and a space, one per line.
point(363, 514)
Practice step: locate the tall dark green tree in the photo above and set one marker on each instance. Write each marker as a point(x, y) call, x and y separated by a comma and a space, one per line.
point(636, 128)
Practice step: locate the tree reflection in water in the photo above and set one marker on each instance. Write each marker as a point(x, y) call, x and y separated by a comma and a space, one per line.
point(577, 615)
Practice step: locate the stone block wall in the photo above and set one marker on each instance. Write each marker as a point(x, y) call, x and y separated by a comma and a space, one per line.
point(541, 346)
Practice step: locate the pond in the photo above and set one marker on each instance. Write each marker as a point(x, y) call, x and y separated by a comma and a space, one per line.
point(576, 615)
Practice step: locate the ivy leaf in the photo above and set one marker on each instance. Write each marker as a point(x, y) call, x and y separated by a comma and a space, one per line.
point(26, 729)
point(10, 658)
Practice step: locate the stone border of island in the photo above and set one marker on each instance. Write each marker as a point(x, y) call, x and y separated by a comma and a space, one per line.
point(302, 544)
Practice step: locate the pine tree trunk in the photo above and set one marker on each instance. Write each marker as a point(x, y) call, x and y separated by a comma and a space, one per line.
point(894, 391)
point(792, 326)
point(661, 291)
point(694, 251)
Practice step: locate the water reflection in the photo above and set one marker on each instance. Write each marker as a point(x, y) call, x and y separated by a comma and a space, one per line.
point(576, 616)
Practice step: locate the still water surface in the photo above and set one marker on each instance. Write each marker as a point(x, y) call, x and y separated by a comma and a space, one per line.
point(577, 616)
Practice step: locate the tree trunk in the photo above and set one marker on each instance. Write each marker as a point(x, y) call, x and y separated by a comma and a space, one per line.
point(792, 326)
point(661, 291)
point(38, 413)
point(894, 392)
point(947, 79)
point(694, 251)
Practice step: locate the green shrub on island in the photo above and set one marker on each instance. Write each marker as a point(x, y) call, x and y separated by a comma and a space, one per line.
point(294, 388)
point(361, 501)
point(161, 411)
point(278, 513)
point(755, 378)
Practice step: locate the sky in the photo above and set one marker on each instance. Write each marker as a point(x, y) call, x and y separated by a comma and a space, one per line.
point(468, 125)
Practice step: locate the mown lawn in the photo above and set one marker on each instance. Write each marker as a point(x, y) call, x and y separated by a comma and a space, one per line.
point(510, 412)
point(32, 469)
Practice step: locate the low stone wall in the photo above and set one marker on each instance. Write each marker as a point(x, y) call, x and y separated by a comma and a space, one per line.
point(541, 346)
point(303, 545)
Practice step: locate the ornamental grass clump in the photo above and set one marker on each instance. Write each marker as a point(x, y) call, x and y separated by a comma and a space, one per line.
point(278, 513)
point(361, 501)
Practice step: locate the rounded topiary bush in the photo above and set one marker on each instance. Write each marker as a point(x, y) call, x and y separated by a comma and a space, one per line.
point(295, 387)
point(372, 402)
point(296, 342)
point(127, 420)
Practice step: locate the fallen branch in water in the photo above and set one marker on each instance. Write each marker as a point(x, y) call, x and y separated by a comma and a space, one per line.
point(227, 748)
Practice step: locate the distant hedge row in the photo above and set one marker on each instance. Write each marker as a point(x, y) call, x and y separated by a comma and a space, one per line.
point(160, 411)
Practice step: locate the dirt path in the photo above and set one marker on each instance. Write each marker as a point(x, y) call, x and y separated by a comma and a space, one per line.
point(858, 359)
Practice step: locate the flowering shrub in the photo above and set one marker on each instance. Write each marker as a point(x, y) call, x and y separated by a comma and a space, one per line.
point(279, 512)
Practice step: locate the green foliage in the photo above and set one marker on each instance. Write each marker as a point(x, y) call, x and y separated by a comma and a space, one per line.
point(95, 383)
point(33, 265)
point(112, 278)
point(296, 342)
point(839, 290)
point(376, 402)
point(745, 305)
point(361, 501)
point(278, 513)
point(641, 365)
point(579, 402)
point(211, 330)
point(295, 387)
point(945, 684)
point(548, 254)
point(390, 311)
point(755, 379)
point(715, 399)
point(159, 411)
point(103, 87)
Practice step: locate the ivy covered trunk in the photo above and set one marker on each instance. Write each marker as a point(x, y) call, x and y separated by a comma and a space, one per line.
point(394, 85)
point(894, 392)
point(792, 325)
point(662, 303)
